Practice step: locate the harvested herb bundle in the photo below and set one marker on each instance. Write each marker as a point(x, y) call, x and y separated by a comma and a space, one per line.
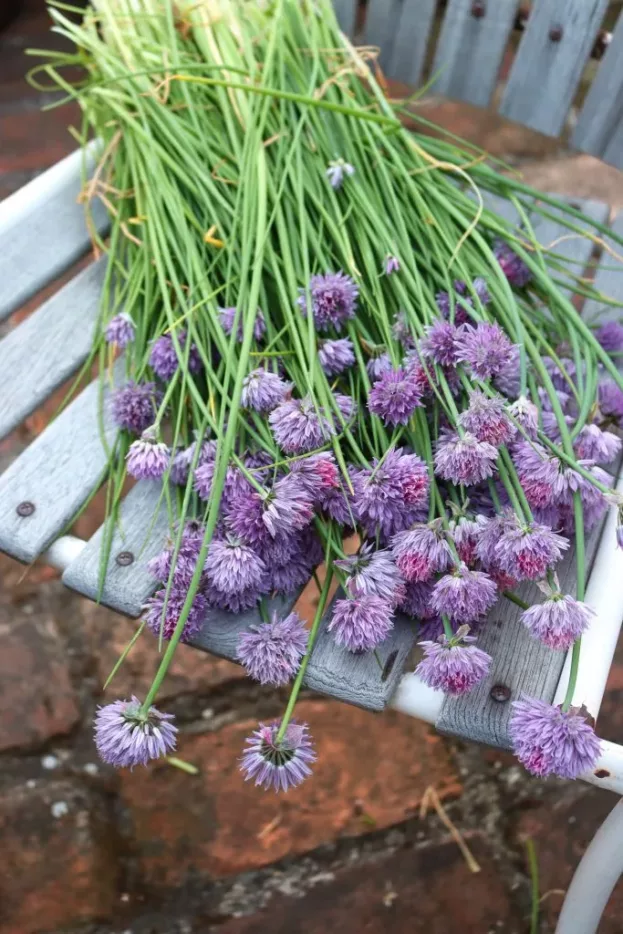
point(325, 332)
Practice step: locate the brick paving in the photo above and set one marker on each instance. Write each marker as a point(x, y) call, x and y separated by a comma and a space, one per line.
point(86, 851)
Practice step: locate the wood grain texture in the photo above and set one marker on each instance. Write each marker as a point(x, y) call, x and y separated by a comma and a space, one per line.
point(574, 250)
point(599, 129)
point(521, 664)
point(43, 231)
point(545, 73)
point(359, 679)
point(56, 474)
point(48, 347)
point(609, 281)
point(401, 29)
point(470, 50)
point(345, 12)
point(141, 530)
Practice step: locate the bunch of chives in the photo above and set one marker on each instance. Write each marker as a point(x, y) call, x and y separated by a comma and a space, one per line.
point(324, 330)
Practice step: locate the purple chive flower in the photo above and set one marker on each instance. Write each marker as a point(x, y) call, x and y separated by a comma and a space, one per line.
point(394, 397)
point(464, 460)
point(237, 602)
point(372, 572)
point(401, 330)
point(317, 474)
point(361, 623)
point(558, 621)
point(610, 336)
point(227, 317)
point(134, 406)
point(416, 600)
point(527, 551)
point(163, 357)
point(485, 349)
point(333, 300)
point(464, 595)
point(550, 741)
point(526, 414)
point(257, 518)
point(185, 560)
point(480, 288)
point(441, 343)
point(454, 666)
point(486, 419)
point(337, 503)
point(125, 736)
point(235, 482)
point(388, 496)
point(147, 458)
point(183, 459)
point(610, 399)
point(289, 577)
point(278, 764)
point(465, 535)
point(232, 566)
point(262, 390)
point(339, 170)
point(162, 612)
point(272, 652)
point(378, 364)
point(299, 426)
point(514, 268)
point(537, 472)
point(392, 264)
point(120, 330)
point(421, 552)
point(597, 445)
point(336, 355)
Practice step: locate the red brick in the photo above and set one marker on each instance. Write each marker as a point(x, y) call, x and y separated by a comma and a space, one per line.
point(37, 700)
point(429, 891)
point(58, 866)
point(108, 634)
point(371, 773)
point(36, 139)
point(561, 826)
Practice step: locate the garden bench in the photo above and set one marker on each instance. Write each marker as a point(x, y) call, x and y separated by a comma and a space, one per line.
point(43, 232)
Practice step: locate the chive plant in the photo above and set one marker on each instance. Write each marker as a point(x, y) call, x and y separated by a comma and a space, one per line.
point(325, 327)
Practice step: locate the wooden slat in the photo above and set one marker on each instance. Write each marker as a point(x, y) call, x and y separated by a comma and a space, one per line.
point(521, 664)
point(43, 231)
point(401, 28)
point(609, 281)
point(470, 50)
point(359, 679)
point(599, 129)
point(345, 12)
point(141, 532)
point(545, 74)
point(221, 630)
point(55, 474)
point(576, 250)
point(48, 347)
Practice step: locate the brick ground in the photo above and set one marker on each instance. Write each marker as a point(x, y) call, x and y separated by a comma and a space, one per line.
point(159, 852)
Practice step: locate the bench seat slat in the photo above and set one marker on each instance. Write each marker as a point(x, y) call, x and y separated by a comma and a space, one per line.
point(43, 230)
point(401, 29)
point(48, 347)
point(56, 474)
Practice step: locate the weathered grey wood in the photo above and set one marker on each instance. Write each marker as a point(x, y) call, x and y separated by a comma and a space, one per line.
point(609, 281)
point(345, 12)
point(574, 249)
point(401, 28)
point(221, 631)
point(470, 50)
point(55, 474)
point(599, 129)
point(521, 664)
point(546, 72)
point(359, 679)
point(43, 231)
point(48, 346)
point(141, 532)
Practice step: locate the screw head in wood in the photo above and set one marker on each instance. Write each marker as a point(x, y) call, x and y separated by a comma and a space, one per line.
point(25, 509)
point(500, 693)
point(124, 559)
point(478, 9)
point(556, 33)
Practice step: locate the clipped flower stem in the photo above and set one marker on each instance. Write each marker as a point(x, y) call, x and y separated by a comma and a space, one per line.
point(578, 511)
point(313, 632)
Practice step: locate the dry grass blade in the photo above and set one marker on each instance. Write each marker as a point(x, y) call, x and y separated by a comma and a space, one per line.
point(431, 798)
